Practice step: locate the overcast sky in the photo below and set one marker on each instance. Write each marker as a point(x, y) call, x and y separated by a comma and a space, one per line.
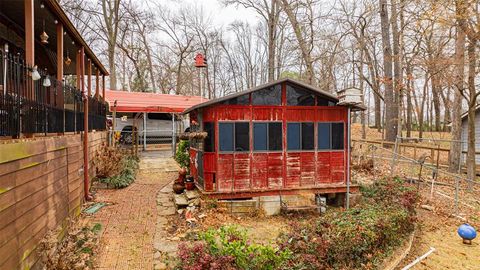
point(220, 15)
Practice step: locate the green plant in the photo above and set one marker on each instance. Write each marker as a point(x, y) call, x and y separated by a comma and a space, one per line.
point(126, 177)
point(357, 238)
point(182, 156)
point(231, 245)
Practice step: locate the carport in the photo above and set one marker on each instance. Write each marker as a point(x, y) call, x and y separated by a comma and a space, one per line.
point(140, 106)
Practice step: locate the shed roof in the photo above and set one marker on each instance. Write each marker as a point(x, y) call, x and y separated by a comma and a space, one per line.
point(260, 87)
point(150, 102)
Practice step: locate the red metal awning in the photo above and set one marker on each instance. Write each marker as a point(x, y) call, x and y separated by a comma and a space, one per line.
point(150, 102)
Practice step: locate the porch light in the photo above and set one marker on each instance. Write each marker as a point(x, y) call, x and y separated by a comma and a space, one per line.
point(43, 35)
point(68, 61)
point(46, 81)
point(35, 75)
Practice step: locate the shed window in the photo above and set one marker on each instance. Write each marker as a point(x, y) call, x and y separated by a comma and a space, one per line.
point(268, 96)
point(209, 144)
point(267, 136)
point(275, 136)
point(300, 136)
point(337, 136)
point(225, 134)
point(241, 100)
point(324, 136)
point(308, 134)
point(324, 102)
point(297, 96)
point(242, 137)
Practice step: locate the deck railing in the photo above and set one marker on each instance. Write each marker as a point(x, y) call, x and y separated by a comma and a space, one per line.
point(27, 106)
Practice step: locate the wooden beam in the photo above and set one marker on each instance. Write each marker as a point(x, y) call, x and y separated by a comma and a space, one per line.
point(89, 78)
point(103, 87)
point(97, 83)
point(60, 64)
point(29, 41)
point(79, 70)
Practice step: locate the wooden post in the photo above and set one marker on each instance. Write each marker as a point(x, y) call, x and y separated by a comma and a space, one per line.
point(415, 152)
point(79, 70)
point(86, 185)
point(97, 84)
point(59, 90)
point(103, 87)
point(29, 48)
point(89, 78)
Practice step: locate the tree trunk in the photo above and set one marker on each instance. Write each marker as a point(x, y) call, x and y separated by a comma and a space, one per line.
point(471, 165)
point(456, 146)
point(409, 100)
point(391, 109)
point(397, 65)
point(301, 40)
point(272, 23)
point(435, 99)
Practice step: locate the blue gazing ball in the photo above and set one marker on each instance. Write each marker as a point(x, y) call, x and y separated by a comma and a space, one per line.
point(467, 232)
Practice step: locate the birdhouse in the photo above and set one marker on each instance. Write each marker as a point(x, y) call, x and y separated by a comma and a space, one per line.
point(200, 61)
point(350, 96)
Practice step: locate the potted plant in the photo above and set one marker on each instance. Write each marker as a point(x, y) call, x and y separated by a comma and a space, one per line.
point(189, 183)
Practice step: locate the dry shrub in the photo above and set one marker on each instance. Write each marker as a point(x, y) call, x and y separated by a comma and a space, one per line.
point(108, 161)
point(74, 251)
point(364, 165)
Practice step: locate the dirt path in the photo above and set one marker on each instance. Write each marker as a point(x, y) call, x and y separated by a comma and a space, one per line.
point(129, 224)
point(450, 252)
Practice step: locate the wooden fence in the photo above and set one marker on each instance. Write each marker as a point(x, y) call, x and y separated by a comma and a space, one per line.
point(41, 185)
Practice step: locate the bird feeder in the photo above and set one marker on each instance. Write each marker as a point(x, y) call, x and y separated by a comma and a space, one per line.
point(350, 96)
point(200, 61)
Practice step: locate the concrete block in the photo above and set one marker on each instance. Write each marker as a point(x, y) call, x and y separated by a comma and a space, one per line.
point(192, 194)
point(180, 200)
point(270, 205)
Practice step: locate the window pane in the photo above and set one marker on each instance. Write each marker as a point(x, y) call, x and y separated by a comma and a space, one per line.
point(241, 100)
point(337, 135)
point(324, 102)
point(225, 134)
point(268, 96)
point(293, 136)
point(209, 145)
point(260, 136)
point(242, 138)
point(323, 135)
point(308, 136)
point(299, 97)
point(275, 136)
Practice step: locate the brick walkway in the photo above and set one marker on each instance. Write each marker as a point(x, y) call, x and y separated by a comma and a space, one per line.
point(129, 224)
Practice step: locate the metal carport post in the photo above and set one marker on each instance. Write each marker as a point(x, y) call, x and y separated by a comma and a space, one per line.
point(144, 131)
point(173, 134)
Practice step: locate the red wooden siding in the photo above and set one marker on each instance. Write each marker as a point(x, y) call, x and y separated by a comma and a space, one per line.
point(283, 170)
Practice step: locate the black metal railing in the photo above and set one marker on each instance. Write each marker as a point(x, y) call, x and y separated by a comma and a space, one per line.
point(31, 106)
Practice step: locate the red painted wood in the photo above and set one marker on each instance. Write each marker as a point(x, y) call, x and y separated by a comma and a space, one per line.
point(193, 163)
point(233, 112)
point(307, 169)
point(225, 173)
point(268, 113)
point(241, 171)
point(337, 163)
point(293, 170)
point(245, 173)
point(259, 170)
point(208, 178)
point(323, 168)
point(275, 170)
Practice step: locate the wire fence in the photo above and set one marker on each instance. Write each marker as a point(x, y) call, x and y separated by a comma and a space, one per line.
point(453, 193)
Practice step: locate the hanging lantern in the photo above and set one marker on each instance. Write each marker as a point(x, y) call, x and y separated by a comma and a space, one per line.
point(46, 81)
point(35, 75)
point(43, 35)
point(68, 61)
point(200, 61)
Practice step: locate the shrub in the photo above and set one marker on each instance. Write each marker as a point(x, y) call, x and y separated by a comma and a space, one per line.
point(229, 248)
point(126, 177)
point(108, 161)
point(182, 157)
point(356, 238)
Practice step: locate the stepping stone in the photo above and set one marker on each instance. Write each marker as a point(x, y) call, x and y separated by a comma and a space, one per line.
point(192, 194)
point(181, 201)
point(166, 211)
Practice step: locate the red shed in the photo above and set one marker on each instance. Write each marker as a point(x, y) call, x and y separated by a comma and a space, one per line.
point(284, 137)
